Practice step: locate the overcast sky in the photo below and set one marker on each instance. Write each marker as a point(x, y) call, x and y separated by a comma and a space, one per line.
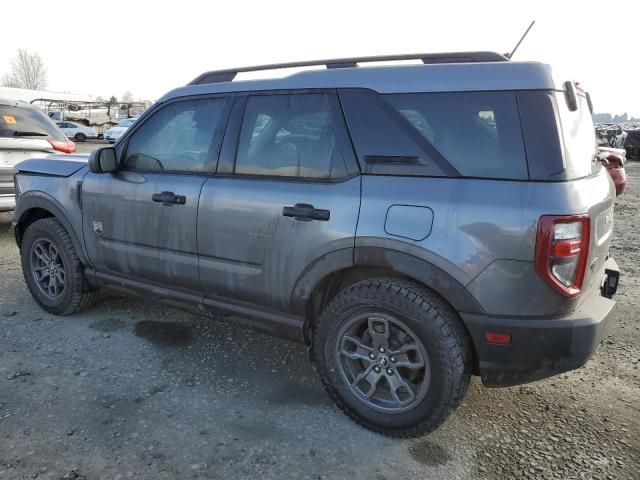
point(106, 48)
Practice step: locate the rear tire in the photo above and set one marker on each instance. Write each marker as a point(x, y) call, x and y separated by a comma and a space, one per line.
point(52, 270)
point(393, 355)
point(80, 137)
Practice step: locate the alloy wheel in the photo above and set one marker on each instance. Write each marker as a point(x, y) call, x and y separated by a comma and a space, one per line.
point(47, 268)
point(383, 362)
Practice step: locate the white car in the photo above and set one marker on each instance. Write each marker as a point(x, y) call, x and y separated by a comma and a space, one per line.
point(77, 131)
point(114, 133)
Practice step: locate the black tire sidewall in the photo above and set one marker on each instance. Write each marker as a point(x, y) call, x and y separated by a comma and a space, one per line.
point(40, 230)
point(80, 137)
point(428, 330)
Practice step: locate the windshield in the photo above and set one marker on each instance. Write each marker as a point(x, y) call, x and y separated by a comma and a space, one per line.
point(27, 122)
point(126, 123)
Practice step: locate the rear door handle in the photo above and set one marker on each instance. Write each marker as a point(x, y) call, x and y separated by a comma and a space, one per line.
point(305, 213)
point(169, 198)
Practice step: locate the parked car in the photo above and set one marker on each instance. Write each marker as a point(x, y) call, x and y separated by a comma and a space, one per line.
point(631, 143)
point(77, 131)
point(613, 160)
point(388, 217)
point(113, 134)
point(25, 132)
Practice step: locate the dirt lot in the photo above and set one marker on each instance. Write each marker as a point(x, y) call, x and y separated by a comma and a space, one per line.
point(131, 390)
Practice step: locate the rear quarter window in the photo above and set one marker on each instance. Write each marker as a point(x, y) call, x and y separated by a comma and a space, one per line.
point(479, 133)
point(579, 138)
point(16, 122)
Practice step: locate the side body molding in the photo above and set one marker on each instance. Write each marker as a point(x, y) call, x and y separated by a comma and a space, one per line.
point(452, 290)
point(317, 271)
point(421, 270)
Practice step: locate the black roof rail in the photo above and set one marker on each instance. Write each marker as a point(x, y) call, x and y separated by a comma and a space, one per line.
point(216, 76)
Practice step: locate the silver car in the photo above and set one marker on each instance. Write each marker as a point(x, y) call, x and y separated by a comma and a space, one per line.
point(25, 132)
point(77, 131)
point(113, 134)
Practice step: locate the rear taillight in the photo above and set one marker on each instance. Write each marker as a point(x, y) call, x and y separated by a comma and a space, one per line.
point(64, 146)
point(562, 249)
point(615, 161)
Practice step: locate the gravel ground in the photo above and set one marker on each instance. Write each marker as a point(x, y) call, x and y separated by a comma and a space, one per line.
point(128, 389)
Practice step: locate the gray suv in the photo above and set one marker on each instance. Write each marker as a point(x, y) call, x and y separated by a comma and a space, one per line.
point(413, 224)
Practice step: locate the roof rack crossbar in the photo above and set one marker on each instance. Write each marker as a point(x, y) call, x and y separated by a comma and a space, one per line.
point(216, 76)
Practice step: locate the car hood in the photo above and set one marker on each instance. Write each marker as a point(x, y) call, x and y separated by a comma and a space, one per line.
point(54, 165)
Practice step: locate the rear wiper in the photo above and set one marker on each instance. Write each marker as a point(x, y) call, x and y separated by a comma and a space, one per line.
point(30, 134)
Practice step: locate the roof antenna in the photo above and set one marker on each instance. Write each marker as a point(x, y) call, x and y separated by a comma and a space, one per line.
point(510, 55)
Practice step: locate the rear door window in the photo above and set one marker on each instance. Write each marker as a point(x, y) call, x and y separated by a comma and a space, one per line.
point(27, 122)
point(478, 133)
point(293, 135)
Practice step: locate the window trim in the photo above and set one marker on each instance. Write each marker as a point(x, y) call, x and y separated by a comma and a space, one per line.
point(229, 151)
point(216, 140)
point(439, 160)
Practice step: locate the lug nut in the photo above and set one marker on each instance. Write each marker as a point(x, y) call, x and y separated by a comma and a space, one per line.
point(376, 369)
point(389, 371)
point(393, 359)
point(372, 356)
point(381, 349)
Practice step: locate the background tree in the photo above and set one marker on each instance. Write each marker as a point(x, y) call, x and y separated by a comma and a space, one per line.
point(602, 118)
point(27, 71)
point(621, 118)
point(127, 97)
point(113, 101)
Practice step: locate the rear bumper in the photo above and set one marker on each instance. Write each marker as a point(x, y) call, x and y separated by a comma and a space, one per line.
point(540, 347)
point(7, 203)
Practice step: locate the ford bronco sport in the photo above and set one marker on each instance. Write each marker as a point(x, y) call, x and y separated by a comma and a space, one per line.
point(413, 224)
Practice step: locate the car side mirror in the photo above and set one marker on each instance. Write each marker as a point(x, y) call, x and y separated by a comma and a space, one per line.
point(103, 160)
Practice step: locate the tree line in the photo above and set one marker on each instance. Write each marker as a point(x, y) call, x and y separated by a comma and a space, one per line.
point(29, 71)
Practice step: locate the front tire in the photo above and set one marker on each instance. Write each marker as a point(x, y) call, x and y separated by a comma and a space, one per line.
point(80, 137)
point(52, 270)
point(393, 355)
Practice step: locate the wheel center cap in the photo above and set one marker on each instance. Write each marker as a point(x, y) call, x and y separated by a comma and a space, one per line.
point(382, 360)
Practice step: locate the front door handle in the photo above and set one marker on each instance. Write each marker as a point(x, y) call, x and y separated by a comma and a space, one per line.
point(169, 198)
point(305, 212)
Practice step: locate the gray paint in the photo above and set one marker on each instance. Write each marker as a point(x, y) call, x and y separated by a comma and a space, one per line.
point(409, 221)
point(250, 252)
point(240, 245)
point(55, 165)
point(478, 222)
point(399, 79)
point(59, 196)
point(230, 247)
point(140, 238)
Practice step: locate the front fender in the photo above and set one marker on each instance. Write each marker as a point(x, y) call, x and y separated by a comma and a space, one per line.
point(41, 200)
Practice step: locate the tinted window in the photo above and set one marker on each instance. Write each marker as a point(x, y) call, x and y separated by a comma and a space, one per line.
point(291, 136)
point(178, 137)
point(542, 134)
point(479, 133)
point(386, 141)
point(27, 123)
point(579, 138)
